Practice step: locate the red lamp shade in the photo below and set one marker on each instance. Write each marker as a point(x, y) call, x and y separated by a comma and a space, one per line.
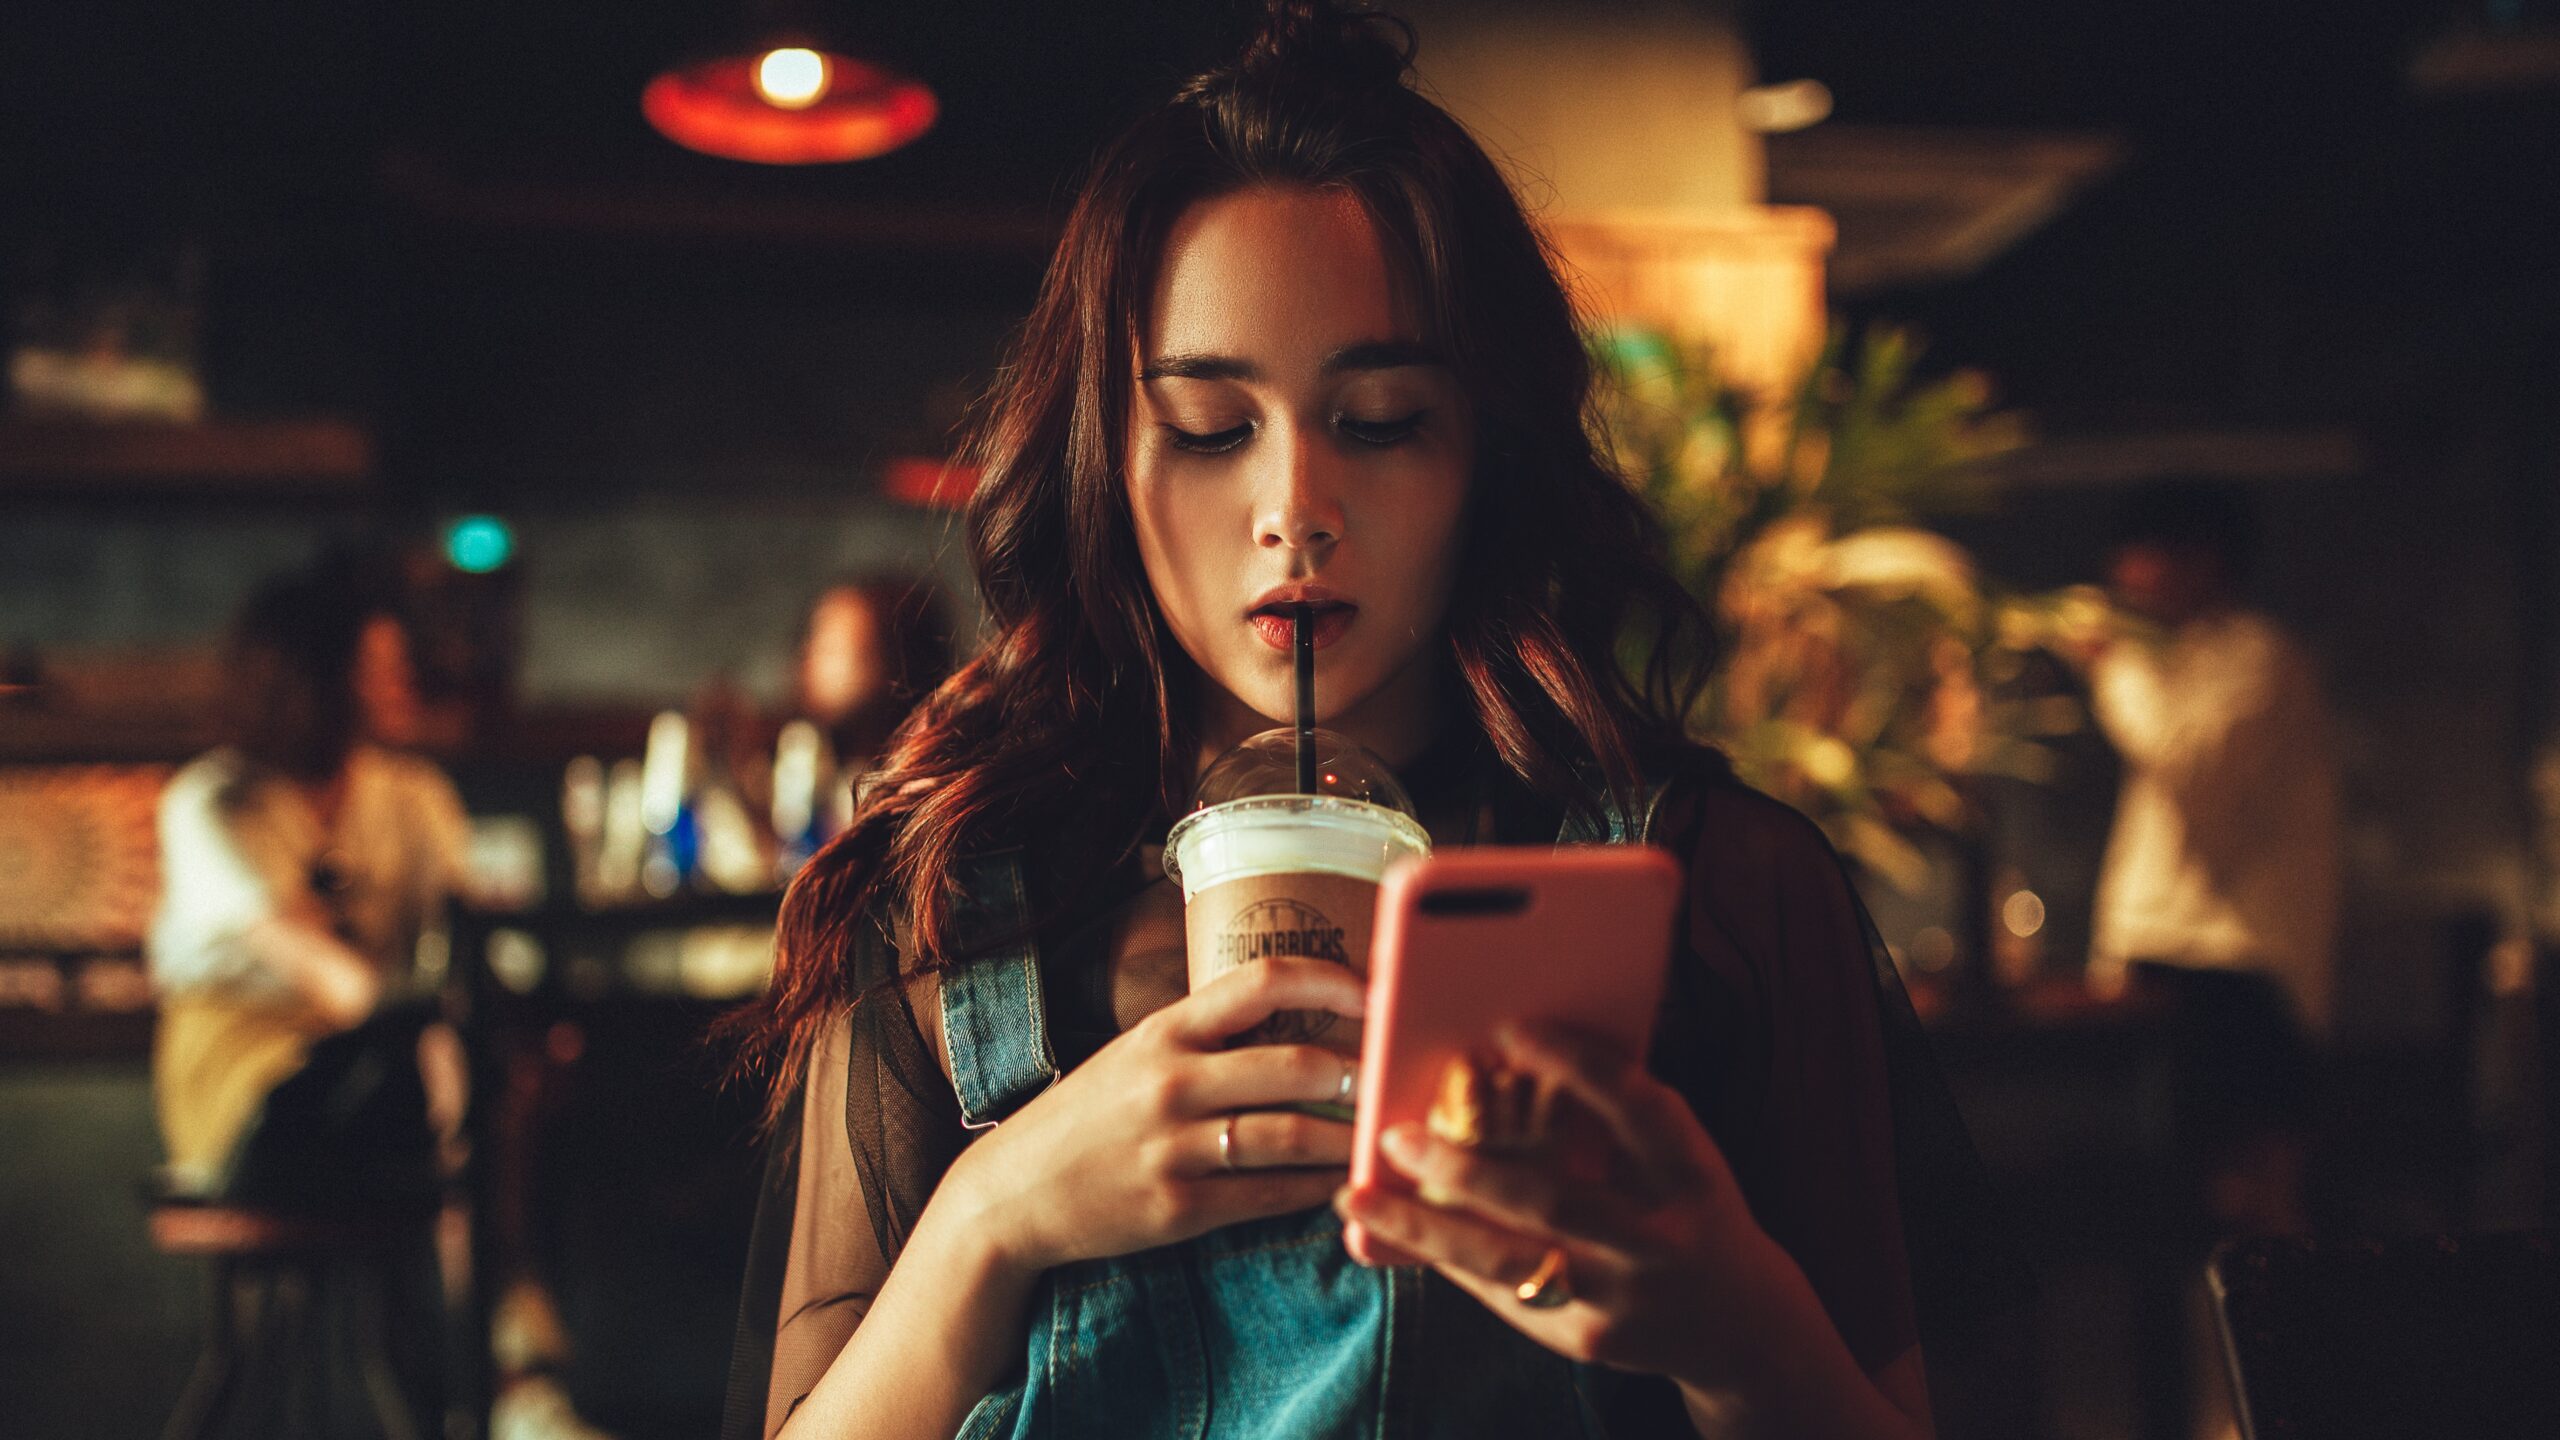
point(788, 106)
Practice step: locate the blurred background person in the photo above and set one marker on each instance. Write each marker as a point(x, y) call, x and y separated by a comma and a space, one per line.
point(2219, 887)
point(302, 861)
point(869, 650)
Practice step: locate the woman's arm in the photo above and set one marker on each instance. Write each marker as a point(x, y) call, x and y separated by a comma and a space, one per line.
point(1122, 1154)
point(1809, 1385)
point(236, 913)
point(936, 1339)
point(329, 975)
point(837, 1277)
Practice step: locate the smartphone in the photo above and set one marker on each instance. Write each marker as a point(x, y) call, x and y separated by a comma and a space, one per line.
point(1476, 936)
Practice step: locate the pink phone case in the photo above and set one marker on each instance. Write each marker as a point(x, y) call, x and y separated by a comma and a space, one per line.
point(1476, 936)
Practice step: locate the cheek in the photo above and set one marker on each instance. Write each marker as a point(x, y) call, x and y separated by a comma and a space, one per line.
point(1170, 550)
point(1424, 535)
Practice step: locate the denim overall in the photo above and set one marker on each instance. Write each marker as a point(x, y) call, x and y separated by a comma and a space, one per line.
point(1261, 1329)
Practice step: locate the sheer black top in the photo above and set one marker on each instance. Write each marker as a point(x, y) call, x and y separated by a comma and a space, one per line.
point(1785, 1026)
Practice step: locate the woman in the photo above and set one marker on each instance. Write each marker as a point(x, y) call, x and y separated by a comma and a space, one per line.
point(869, 650)
point(301, 861)
point(1299, 343)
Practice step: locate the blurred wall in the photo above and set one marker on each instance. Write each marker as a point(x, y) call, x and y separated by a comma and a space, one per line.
point(136, 579)
point(639, 603)
point(645, 603)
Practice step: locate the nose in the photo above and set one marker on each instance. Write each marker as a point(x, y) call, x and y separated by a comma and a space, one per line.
point(1299, 499)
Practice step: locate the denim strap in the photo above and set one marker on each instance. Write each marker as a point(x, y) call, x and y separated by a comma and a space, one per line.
point(1621, 829)
point(993, 1022)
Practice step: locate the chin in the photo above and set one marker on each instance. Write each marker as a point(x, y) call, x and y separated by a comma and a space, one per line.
point(1275, 700)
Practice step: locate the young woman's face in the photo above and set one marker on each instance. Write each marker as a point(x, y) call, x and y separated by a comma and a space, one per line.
point(1291, 437)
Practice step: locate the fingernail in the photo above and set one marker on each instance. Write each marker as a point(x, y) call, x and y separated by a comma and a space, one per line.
point(1400, 1142)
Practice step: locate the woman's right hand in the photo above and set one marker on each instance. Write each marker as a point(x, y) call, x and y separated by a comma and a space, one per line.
point(1122, 1154)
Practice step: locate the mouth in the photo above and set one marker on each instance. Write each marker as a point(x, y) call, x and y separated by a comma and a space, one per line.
point(1275, 621)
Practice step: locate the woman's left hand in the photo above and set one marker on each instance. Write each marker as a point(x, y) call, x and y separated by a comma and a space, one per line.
point(1662, 1271)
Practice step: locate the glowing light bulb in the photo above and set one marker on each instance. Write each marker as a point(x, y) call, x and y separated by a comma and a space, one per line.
point(792, 79)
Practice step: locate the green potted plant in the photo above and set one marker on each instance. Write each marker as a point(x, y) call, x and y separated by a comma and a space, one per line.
point(1859, 653)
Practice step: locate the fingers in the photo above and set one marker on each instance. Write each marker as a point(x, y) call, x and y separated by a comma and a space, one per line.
point(1254, 1076)
point(1523, 1194)
point(1283, 1162)
point(1265, 1140)
point(1648, 1119)
point(1230, 1199)
point(1461, 1245)
point(1252, 993)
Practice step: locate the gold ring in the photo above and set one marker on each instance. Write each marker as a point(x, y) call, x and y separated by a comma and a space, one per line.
point(1227, 1144)
point(1546, 1288)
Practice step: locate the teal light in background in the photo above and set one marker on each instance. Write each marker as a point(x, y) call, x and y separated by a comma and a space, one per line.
point(478, 544)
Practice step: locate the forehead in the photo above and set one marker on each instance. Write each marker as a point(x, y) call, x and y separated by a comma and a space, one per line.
point(1273, 269)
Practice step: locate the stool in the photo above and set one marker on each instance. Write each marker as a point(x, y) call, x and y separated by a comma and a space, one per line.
point(263, 1336)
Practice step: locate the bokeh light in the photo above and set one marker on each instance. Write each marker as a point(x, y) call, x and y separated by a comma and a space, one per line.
point(478, 544)
point(792, 78)
point(2023, 913)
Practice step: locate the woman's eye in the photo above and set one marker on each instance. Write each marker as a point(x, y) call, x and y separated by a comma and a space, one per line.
point(1206, 444)
point(1381, 432)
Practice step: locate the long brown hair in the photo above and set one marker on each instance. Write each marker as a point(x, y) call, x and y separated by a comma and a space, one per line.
point(1076, 716)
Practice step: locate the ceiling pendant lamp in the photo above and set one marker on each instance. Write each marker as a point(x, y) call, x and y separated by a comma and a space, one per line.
point(787, 97)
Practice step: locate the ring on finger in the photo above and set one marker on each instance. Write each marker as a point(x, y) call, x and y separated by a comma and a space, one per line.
point(1227, 1144)
point(1547, 1286)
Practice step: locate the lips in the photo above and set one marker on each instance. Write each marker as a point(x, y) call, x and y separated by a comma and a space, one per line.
point(1273, 617)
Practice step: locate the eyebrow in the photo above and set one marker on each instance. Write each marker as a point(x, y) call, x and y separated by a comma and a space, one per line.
point(1366, 355)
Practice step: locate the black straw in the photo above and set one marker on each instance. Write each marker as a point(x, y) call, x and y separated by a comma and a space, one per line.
point(1304, 622)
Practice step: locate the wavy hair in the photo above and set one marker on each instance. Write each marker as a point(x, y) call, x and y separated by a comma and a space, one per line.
point(1075, 717)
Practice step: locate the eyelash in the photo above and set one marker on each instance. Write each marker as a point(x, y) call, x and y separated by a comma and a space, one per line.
point(1378, 433)
point(1217, 443)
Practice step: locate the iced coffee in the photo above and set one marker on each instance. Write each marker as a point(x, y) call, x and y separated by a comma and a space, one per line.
point(1267, 871)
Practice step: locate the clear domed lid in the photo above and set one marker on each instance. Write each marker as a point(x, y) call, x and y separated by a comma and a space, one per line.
point(1267, 764)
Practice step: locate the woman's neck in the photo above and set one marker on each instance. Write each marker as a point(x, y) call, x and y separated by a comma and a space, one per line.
point(1394, 722)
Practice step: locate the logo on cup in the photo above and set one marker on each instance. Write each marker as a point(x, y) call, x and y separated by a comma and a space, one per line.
point(1276, 927)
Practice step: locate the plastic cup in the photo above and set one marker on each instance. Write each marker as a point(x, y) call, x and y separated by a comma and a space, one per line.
point(1287, 875)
